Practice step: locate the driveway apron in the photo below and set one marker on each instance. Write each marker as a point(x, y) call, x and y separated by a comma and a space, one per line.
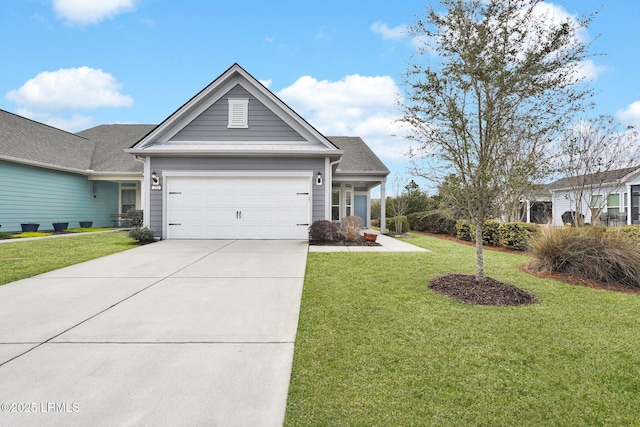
point(174, 333)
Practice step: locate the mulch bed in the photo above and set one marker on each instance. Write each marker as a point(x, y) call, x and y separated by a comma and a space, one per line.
point(339, 242)
point(464, 288)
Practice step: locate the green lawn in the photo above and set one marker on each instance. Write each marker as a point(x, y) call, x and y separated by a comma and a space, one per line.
point(19, 260)
point(376, 347)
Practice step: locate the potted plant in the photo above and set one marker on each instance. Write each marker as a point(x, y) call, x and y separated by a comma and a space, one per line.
point(370, 237)
point(29, 226)
point(85, 224)
point(60, 226)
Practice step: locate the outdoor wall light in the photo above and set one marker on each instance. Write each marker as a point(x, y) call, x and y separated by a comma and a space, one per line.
point(154, 178)
point(319, 179)
point(94, 189)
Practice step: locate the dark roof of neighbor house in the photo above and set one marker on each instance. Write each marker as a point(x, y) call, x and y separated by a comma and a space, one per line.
point(357, 157)
point(608, 177)
point(28, 141)
point(110, 143)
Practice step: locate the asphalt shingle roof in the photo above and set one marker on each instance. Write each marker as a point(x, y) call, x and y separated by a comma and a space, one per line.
point(110, 142)
point(101, 148)
point(33, 142)
point(611, 176)
point(357, 157)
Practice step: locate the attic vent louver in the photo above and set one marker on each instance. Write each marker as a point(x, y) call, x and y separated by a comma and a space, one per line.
point(238, 113)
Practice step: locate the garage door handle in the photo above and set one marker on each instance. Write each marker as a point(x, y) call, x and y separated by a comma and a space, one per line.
point(174, 223)
point(302, 194)
point(175, 192)
point(238, 214)
point(306, 225)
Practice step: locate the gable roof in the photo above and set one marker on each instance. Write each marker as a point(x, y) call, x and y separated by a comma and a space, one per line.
point(159, 141)
point(29, 142)
point(358, 158)
point(608, 177)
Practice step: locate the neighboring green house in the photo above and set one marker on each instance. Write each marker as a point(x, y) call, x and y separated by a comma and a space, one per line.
point(48, 175)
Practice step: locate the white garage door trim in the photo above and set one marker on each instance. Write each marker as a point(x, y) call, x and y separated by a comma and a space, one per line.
point(300, 231)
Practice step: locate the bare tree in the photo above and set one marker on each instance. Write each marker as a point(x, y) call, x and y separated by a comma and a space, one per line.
point(594, 156)
point(497, 72)
point(399, 203)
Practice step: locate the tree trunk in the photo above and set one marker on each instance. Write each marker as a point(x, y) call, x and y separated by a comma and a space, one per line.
point(479, 253)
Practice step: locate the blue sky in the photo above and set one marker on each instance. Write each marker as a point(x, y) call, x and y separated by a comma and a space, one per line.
point(75, 64)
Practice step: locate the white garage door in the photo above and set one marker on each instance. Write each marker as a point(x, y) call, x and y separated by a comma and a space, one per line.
point(230, 207)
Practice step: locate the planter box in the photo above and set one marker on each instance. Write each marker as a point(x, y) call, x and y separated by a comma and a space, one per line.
point(60, 226)
point(85, 224)
point(29, 227)
point(370, 237)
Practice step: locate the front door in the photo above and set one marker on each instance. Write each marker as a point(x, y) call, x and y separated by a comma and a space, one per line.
point(360, 208)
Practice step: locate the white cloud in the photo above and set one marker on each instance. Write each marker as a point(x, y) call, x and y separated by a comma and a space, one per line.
point(589, 70)
point(81, 88)
point(396, 33)
point(86, 12)
point(266, 83)
point(353, 106)
point(631, 115)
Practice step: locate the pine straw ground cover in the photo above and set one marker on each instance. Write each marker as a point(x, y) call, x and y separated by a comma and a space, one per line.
point(377, 347)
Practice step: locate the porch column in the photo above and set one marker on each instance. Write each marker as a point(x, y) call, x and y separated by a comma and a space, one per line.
point(626, 203)
point(383, 208)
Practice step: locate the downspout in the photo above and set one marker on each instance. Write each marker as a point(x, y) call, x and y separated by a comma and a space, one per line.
point(144, 190)
point(383, 206)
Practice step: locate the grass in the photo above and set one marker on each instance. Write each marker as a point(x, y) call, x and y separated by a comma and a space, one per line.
point(376, 347)
point(19, 260)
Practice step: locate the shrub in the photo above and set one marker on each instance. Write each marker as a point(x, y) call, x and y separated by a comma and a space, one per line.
point(490, 233)
point(592, 253)
point(351, 227)
point(465, 231)
point(375, 222)
point(432, 222)
point(517, 235)
point(402, 221)
point(323, 230)
point(142, 235)
point(135, 217)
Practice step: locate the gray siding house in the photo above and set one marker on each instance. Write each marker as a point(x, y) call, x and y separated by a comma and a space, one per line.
point(236, 162)
point(232, 162)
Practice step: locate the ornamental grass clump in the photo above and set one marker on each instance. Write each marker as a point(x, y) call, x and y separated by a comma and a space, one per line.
point(592, 253)
point(351, 227)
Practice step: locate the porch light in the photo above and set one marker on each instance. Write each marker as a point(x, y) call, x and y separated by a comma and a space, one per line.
point(319, 179)
point(94, 189)
point(154, 178)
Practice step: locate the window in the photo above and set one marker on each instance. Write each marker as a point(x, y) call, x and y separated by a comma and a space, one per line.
point(596, 206)
point(613, 205)
point(348, 202)
point(335, 205)
point(238, 113)
point(128, 200)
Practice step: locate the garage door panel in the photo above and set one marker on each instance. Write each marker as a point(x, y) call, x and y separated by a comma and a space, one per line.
point(269, 207)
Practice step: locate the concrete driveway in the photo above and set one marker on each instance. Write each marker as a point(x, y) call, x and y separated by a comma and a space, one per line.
point(173, 333)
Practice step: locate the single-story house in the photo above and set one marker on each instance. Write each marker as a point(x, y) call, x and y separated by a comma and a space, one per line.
point(613, 198)
point(232, 162)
